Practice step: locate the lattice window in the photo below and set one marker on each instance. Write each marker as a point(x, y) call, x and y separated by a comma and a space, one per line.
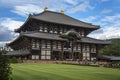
point(82, 32)
point(33, 44)
point(87, 47)
point(45, 29)
point(45, 54)
point(93, 48)
point(61, 31)
point(35, 56)
point(55, 30)
point(59, 45)
point(83, 47)
point(41, 29)
point(43, 44)
point(65, 30)
point(48, 44)
point(54, 45)
point(37, 44)
point(86, 55)
point(51, 30)
point(79, 47)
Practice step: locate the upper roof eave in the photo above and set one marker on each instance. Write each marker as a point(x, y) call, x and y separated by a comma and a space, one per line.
point(42, 17)
point(29, 17)
point(34, 16)
point(97, 26)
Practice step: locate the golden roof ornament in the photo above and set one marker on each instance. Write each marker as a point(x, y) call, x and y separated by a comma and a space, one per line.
point(62, 12)
point(45, 9)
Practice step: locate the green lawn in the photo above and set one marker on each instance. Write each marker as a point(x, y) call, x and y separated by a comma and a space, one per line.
point(62, 72)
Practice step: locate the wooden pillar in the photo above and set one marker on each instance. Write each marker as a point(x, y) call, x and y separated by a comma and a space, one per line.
point(90, 51)
point(85, 32)
point(30, 48)
point(96, 51)
point(62, 30)
point(56, 44)
point(78, 44)
point(81, 50)
point(58, 30)
point(35, 43)
point(72, 50)
point(43, 29)
point(80, 31)
point(62, 50)
point(40, 49)
point(51, 45)
point(48, 29)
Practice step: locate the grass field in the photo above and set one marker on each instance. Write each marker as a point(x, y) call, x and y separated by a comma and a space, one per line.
point(62, 72)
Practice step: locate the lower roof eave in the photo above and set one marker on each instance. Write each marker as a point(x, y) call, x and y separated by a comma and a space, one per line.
point(18, 53)
point(57, 37)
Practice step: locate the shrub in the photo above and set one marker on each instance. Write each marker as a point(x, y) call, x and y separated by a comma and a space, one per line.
point(14, 60)
point(5, 69)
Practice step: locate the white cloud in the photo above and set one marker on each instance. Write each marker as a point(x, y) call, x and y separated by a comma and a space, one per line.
point(73, 2)
point(89, 19)
point(105, 11)
point(7, 30)
point(108, 33)
point(25, 10)
point(25, 7)
point(47, 3)
point(30, 7)
point(110, 30)
point(82, 7)
point(2, 44)
point(10, 23)
point(111, 19)
point(19, 2)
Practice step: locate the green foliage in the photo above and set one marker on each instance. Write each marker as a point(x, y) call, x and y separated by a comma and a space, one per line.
point(113, 49)
point(5, 69)
point(14, 60)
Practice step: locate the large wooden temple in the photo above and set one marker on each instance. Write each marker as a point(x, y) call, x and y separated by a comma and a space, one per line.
point(55, 36)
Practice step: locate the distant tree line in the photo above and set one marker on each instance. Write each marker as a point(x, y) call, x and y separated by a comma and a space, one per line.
point(113, 49)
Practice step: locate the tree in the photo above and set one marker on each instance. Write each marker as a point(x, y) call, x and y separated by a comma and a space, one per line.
point(5, 69)
point(13, 60)
point(113, 49)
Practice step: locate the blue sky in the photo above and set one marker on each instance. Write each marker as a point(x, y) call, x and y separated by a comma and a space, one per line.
point(105, 13)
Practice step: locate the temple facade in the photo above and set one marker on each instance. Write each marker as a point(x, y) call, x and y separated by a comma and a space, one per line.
point(55, 36)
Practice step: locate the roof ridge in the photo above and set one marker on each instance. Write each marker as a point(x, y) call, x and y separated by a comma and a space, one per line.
point(46, 11)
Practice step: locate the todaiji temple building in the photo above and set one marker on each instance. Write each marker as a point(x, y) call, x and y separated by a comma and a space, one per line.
point(55, 36)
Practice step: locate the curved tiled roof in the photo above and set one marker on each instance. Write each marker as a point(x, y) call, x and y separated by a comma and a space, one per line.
point(50, 36)
point(18, 52)
point(59, 18)
point(96, 41)
point(112, 58)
